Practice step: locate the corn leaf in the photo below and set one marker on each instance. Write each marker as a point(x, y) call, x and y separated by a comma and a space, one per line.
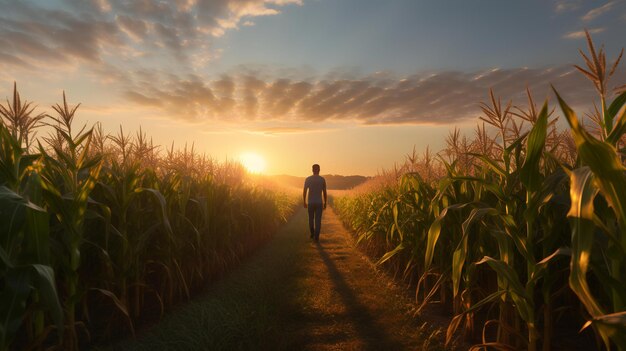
point(433, 234)
point(515, 289)
point(620, 124)
point(460, 253)
point(530, 174)
point(582, 192)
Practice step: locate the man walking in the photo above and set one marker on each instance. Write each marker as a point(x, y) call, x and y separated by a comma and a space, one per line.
point(316, 186)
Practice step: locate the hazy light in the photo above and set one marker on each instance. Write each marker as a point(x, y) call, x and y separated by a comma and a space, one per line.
point(253, 162)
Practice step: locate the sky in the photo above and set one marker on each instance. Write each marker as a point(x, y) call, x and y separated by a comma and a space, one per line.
point(353, 85)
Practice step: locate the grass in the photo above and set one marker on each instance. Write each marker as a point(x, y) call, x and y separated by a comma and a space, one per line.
point(244, 311)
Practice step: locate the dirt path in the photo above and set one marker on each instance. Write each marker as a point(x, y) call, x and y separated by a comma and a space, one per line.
point(293, 294)
point(348, 305)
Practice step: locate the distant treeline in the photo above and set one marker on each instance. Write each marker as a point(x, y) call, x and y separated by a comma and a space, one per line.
point(333, 182)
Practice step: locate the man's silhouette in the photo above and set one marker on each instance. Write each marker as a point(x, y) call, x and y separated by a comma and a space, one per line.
point(316, 186)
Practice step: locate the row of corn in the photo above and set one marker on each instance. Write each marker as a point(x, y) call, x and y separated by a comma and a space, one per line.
point(520, 230)
point(98, 232)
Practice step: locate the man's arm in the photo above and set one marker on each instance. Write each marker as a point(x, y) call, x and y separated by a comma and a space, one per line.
point(304, 195)
point(325, 195)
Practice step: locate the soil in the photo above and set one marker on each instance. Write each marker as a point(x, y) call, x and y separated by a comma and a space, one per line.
point(348, 304)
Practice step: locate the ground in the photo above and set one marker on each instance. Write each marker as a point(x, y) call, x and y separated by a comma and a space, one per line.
point(294, 294)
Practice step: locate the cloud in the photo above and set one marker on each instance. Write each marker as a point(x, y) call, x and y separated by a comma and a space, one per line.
point(566, 5)
point(581, 33)
point(283, 130)
point(441, 98)
point(120, 32)
point(133, 28)
point(598, 11)
point(41, 37)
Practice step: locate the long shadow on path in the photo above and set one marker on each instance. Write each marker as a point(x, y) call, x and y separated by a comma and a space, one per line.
point(371, 333)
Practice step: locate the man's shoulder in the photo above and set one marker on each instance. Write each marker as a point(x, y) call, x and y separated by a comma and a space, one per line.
point(308, 180)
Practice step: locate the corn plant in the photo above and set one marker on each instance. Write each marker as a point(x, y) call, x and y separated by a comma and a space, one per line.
point(68, 177)
point(603, 173)
point(20, 120)
point(522, 219)
point(92, 223)
point(25, 269)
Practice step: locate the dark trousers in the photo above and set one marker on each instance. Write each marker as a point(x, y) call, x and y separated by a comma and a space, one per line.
point(315, 219)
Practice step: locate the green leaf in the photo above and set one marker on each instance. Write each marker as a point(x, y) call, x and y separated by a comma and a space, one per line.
point(37, 236)
point(5, 261)
point(617, 104)
point(491, 163)
point(13, 304)
point(162, 205)
point(37, 229)
point(603, 160)
point(620, 123)
point(390, 254)
point(16, 214)
point(433, 234)
point(611, 325)
point(454, 324)
point(12, 220)
point(582, 194)
point(515, 145)
point(542, 266)
point(44, 283)
point(120, 306)
point(515, 289)
point(530, 174)
point(394, 210)
point(609, 175)
point(460, 253)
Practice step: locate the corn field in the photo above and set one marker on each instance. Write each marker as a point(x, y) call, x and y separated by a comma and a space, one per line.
point(100, 231)
point(520, 229)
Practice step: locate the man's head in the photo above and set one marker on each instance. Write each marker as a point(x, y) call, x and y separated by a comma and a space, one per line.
point(316, 169)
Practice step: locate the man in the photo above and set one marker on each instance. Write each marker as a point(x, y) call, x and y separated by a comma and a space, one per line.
point(316, 186)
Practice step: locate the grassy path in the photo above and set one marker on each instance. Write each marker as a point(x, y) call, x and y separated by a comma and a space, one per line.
point(293, 295)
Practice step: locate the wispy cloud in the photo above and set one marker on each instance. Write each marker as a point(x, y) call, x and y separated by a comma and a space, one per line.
point(118, 32)
point(273, 131)
point(581, 33)
point(598, 11)
point(442, 98)
point(566, 5)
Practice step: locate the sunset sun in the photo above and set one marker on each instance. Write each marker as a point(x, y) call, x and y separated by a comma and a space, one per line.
point(253, 162)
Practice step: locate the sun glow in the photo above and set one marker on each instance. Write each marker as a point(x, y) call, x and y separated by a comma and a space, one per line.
point(254, 163)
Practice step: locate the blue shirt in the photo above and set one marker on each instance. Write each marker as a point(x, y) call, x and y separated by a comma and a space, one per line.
point(316, 184)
